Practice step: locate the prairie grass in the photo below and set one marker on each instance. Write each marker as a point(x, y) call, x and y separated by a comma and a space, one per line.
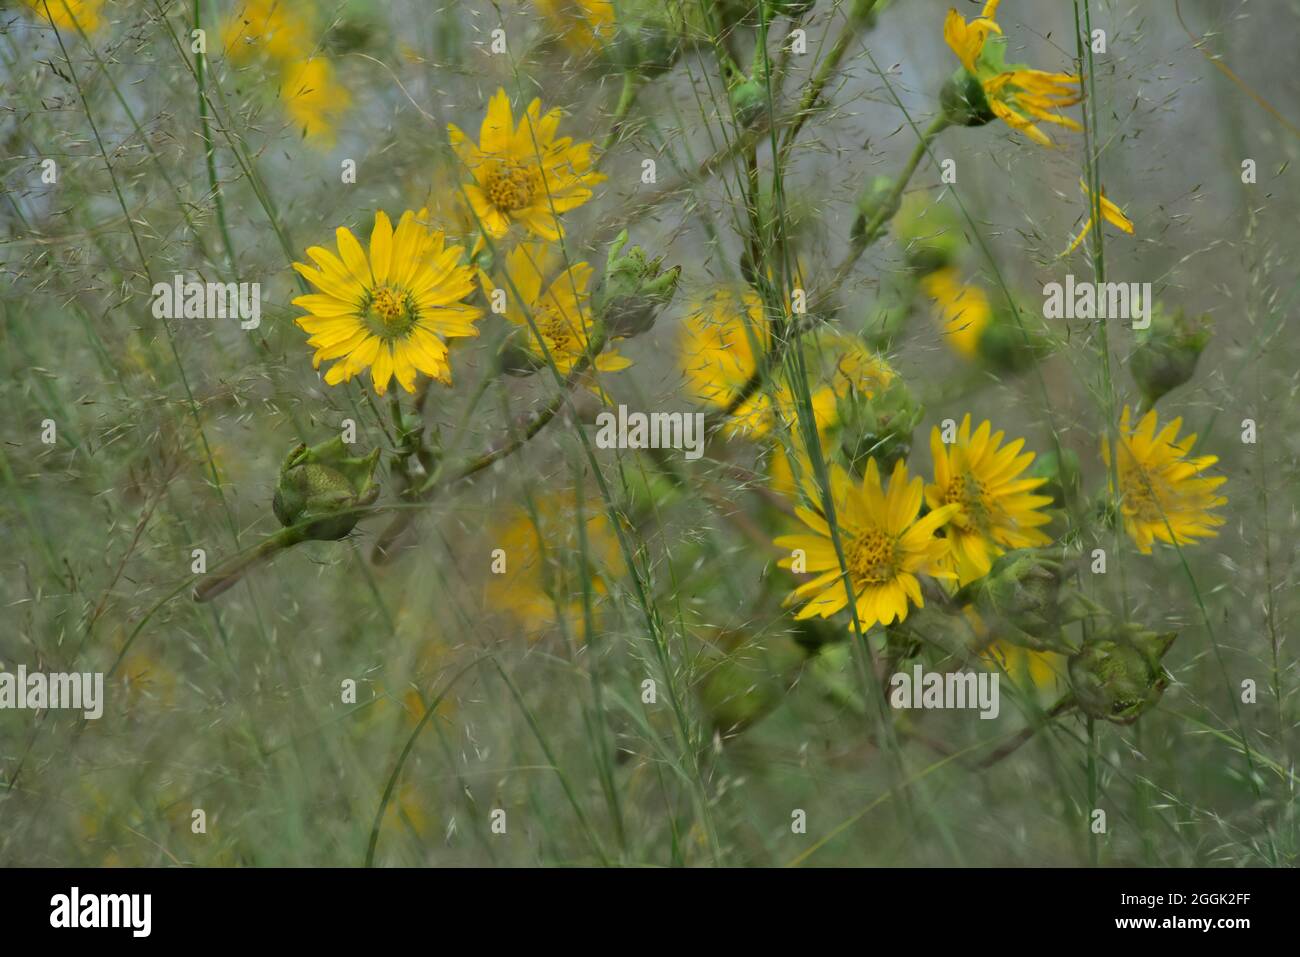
point(632, 686)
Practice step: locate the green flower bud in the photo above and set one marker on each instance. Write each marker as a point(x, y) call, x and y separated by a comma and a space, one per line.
point(748, 99)
point(320, 481)
point(1009, 346)
point(1020, 599)
point(963, 101)
point(890, 312)
point(1117, 674)
point(1167, 352)
point(864, 12)
point(929, 231)
point(353, 29)
point(648, 36)
point(633, 289)
point(879, 428)
point(877, 201)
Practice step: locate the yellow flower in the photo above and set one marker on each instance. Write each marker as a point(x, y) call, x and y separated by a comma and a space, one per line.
point(405, 810)
point(69, 14)
point(885, 547)
point(561, 313)
point(722, 341)
point(1011, 92)
point(995, 509)
point(544, 566)
point(313, 99)
point(964, 309)
point(389, 312)
point(858, 370)
point(147, 679)
point(1109, 212)
point(524, 174)
point(1038, 669)
point(854, 373)
point(1161, 496)
point(584, 26)
point(269, 28)
point(446, 203)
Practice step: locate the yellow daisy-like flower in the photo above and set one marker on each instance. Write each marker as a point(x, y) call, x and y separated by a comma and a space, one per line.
point(69, 14)
point(544, 566)
point(1109, 212)
point(722, 341)
point(524, 174)
point(271, 28)
point(1017, 95)
point(388, 312)
point(313, 99)
point(583, 26)
point(964, 309)
point(1162, 497)
point(560, 310)
point(996, 510)
point(885, 547)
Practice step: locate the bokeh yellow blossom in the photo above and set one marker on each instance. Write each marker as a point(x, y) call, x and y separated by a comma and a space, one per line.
point(543, 564)
point(1162, 494)
point(996, 509)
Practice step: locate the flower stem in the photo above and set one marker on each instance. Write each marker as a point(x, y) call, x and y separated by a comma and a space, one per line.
point(876, 225)
point(870, 233)
point(626, 97)
point(229, 574)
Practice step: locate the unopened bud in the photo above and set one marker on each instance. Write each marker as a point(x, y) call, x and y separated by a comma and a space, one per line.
point(633, 290)
point(515, 358)
point(1167, 352)
point(648, 36)
point(878, 202)
point(1010, 345)
point(1062, 474)
point(1020, 598)
point(929, 232)
point(318, 483)
point(748, 100)
point(879, 427)
point(1117, 674)
point(750, 682)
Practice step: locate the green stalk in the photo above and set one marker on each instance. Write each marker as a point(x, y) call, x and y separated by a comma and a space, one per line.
point(209, 150)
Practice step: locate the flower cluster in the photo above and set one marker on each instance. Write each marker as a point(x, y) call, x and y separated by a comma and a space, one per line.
point(283, 37)
point(985, 536)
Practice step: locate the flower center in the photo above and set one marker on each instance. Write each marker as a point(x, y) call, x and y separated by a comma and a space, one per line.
point(872, 559)
point(390, 313)
point(969, 492)
point(556, 329)
point(511, 187)
point(1141, 499)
